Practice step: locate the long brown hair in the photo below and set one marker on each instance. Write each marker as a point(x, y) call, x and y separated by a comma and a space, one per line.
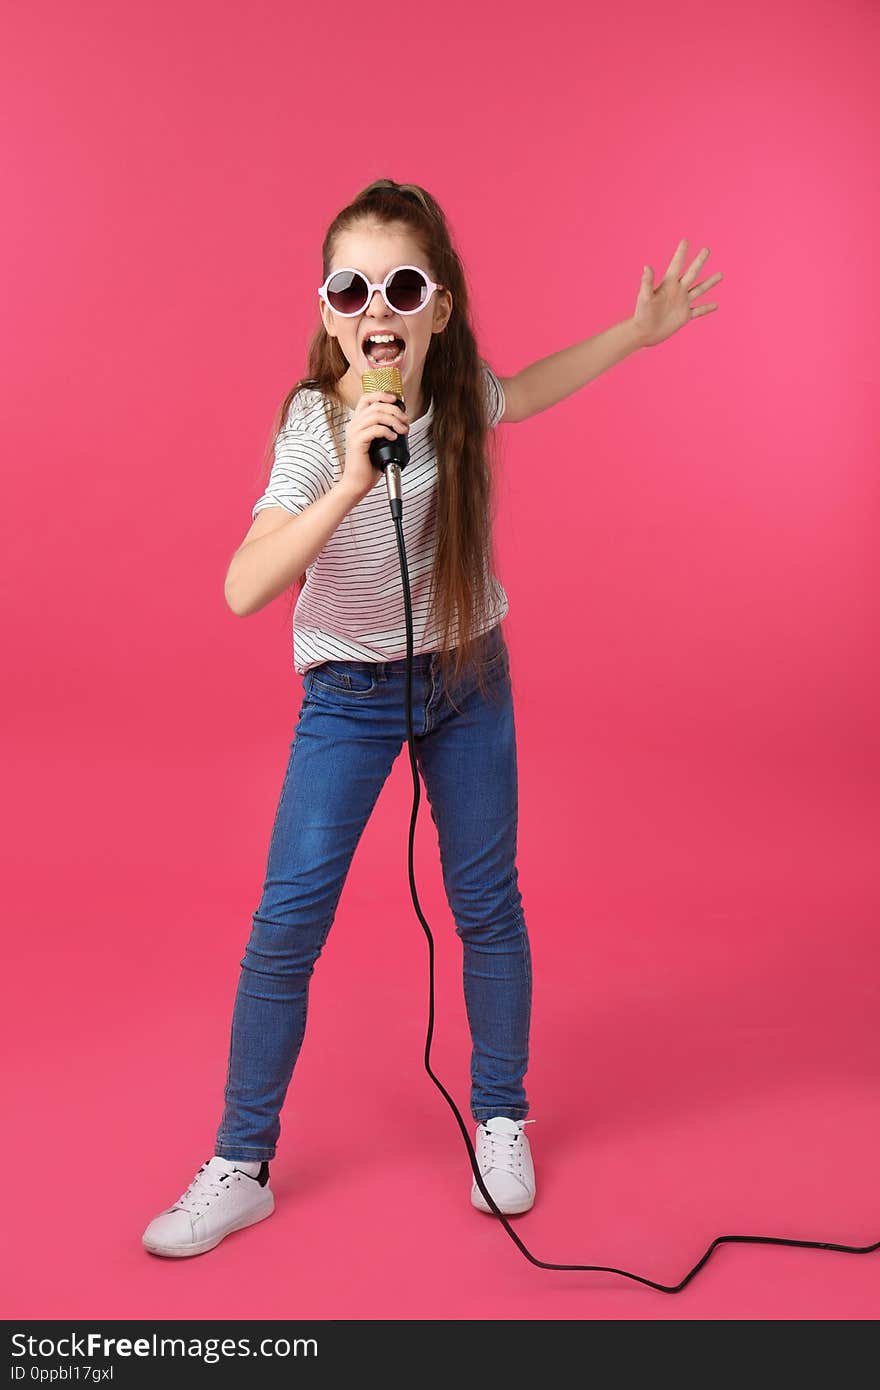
point(463, 442)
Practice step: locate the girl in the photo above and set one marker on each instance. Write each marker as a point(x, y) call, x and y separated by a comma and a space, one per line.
point(390, 269)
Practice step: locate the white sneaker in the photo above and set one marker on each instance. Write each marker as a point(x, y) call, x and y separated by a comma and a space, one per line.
point(505, 1163)
point(221, 1198)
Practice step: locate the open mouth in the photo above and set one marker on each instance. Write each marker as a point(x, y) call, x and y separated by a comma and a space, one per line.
point(385, 354)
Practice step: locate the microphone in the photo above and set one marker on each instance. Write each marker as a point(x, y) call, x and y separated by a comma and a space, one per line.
point(390, 455)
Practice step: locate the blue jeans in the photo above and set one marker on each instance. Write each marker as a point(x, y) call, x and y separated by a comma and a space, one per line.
point(351, 728)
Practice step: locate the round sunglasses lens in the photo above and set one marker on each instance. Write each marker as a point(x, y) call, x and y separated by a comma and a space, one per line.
point(347, 291)
point(407, 290)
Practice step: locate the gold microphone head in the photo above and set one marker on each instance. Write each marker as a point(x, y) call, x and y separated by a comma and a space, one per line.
point(383, 379)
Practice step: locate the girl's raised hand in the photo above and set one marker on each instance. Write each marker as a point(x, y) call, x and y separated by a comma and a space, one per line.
point(662, 311)
point(373, 418)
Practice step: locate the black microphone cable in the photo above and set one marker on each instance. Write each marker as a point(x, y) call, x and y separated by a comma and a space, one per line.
point(391, 456)
point(396, 510)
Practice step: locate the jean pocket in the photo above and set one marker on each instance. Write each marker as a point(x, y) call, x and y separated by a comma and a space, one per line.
point(341, 678)
point(497, 663)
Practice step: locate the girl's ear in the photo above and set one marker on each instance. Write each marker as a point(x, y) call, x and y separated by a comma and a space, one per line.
point(443, 312)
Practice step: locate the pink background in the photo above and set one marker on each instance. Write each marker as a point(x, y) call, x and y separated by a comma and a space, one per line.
point(689, 546)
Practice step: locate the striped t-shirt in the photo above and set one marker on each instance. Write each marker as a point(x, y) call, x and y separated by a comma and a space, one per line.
point(351, 605)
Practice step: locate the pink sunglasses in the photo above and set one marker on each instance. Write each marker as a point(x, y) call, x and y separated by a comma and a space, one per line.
point(406, 290)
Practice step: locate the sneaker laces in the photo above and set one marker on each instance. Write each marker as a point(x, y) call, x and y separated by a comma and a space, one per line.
point(505, 1150)
point(205, 1186)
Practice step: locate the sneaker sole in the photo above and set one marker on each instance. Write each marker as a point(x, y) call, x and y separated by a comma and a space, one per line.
point(200, 1247)
point(481, 1204)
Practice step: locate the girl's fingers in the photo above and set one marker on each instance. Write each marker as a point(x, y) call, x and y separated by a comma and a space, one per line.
point(705, 285)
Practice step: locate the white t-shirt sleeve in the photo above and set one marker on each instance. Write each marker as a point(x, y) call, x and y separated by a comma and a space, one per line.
point(301, 472)
point(495, 402)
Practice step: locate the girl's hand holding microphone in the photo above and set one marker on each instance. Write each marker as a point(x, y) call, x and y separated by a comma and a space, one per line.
point(375, 417)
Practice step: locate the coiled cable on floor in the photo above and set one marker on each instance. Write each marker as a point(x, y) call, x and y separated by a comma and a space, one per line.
point(396, 512)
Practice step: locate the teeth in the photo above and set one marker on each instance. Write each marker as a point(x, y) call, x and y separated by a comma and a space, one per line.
point(381, 337)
